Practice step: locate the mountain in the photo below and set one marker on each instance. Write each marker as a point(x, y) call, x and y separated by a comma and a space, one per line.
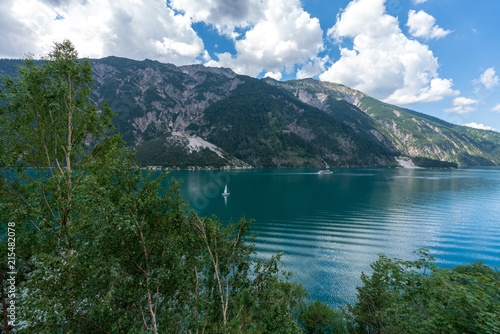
point(197, 116)
point(410, 132)
point(157, 105)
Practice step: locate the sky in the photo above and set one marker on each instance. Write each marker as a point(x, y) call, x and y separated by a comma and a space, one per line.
point(440, 57)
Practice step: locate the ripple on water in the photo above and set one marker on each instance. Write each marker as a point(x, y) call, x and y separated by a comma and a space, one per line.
point(331, 228)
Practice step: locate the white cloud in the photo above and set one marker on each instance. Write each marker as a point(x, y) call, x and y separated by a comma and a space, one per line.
point(16, 37)
point(416, 2)
point(479, 126)
point(274, 75)
point(462, 105)
point(225, 15)
point(488, 79)
point(423, 25)
point(285, 36)
point(313, 67)
point(496, 108)
point(383, 62)
point(100, 28)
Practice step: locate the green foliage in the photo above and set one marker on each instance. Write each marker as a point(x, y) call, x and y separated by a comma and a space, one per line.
point(418, 297)
point(319, 318)
point(141, 263)
point(432, 163)
point(49, 126)
point(103, 247)
point(51, 135)
point(53, 96)
point(160, 152)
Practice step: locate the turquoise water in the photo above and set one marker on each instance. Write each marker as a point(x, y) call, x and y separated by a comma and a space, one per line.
point(331, 227)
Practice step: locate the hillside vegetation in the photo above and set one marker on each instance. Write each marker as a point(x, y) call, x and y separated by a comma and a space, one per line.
point(409, 132)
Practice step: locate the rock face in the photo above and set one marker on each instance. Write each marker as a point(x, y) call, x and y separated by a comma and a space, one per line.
point(158, 97)
point(218, 118)
point(158, 102)
point(197, 116)
point(406, 162)
point(400, 130)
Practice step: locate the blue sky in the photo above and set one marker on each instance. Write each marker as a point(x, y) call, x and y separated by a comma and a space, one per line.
point(440, 57)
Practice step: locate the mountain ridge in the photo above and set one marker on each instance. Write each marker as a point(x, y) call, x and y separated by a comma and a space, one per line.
point(418, 134)
point(197, 116)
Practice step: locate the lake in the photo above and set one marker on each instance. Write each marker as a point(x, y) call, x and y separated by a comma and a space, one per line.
point(332, 226)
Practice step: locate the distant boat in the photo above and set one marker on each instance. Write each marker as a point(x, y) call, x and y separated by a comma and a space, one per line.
point(225, 193)
point(325, 171)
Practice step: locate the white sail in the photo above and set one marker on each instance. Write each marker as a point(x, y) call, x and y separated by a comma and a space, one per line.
point(225, 193)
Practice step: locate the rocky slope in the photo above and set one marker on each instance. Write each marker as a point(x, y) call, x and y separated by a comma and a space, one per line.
point(210, 117)
point(409, 132)
point(155, 103)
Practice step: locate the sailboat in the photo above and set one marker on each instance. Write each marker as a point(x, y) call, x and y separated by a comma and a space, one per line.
point(225, 193)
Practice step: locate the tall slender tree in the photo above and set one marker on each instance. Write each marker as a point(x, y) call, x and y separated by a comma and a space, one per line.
point(50, 132)
point(104, 248)
point(47, 124)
